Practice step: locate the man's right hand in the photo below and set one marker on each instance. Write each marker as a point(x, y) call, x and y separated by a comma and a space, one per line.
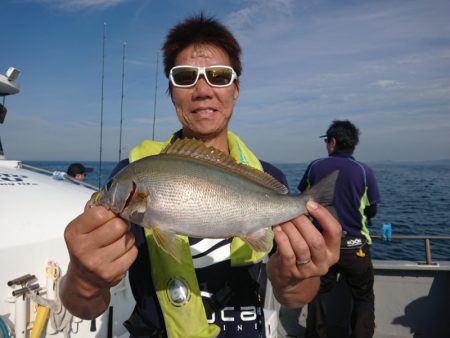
point(101, 250)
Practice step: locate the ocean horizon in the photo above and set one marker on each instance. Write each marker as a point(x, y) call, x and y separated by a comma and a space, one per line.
point(415, 200)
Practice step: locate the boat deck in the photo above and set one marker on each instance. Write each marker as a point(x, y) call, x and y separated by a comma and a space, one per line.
point(411, 300)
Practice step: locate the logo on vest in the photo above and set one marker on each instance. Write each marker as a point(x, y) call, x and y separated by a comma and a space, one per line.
point(178, 291)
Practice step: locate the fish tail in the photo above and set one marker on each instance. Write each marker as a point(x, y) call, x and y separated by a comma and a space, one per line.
point(323, 191)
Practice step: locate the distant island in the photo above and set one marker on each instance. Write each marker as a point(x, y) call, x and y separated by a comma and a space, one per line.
point(382, 162)
point(427, 162)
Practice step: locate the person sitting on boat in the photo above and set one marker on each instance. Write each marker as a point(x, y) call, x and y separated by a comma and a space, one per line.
point(227, 304)
point(355, 201)
point(78, 171)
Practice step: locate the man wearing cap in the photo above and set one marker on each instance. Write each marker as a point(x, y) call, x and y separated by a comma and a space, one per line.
point(355, 201)
point(78, 171)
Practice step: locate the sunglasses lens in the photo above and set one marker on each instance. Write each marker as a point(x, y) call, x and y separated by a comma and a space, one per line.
point(184, 76)
point(216, 76)
point(219, 76)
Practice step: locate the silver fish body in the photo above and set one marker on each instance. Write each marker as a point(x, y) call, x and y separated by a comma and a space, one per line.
point(204, 193)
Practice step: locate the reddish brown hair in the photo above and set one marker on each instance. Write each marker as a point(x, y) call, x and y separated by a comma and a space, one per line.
point(199, 30)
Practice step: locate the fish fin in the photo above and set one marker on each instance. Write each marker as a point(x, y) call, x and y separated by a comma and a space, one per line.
point(139, 202)
point(323, 191)
point(137, 207)
point(260, 240)
point(169, 242)
point(197, 149)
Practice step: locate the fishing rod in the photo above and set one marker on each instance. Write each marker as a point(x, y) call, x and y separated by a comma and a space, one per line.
point(121, 101)
point(101, 107)
point(154, 102)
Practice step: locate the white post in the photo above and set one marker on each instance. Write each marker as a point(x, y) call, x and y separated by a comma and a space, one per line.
point(20, 318)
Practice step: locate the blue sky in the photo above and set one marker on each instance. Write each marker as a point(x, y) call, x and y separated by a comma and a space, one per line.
point(383, 64)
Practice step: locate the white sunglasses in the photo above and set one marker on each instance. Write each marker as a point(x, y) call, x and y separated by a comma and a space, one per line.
point(186, 76)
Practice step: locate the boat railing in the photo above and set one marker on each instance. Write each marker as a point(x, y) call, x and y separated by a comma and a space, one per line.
point(426, 238)
point(51, 173)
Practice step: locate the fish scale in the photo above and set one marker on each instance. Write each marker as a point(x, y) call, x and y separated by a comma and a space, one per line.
point(200, 197)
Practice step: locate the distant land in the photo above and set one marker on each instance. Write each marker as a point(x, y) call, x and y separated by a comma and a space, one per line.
point(378, 162)
point(428, 162)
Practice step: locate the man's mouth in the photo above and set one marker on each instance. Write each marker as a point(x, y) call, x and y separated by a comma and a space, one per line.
point(204, 111)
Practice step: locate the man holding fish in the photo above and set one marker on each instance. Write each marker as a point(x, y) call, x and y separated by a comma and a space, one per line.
point(203, 214)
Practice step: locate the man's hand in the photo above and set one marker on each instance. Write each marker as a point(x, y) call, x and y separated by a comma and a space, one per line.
point(101, 249)
point(303, 255)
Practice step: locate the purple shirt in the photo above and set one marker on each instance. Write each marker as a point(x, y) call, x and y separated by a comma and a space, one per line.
point(356, 188)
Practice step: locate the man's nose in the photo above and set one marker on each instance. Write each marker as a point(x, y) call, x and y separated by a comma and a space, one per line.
point(202, 87)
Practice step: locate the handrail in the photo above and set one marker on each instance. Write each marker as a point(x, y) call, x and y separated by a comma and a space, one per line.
point(50, 173)
point(425, 238)
point(413, 237)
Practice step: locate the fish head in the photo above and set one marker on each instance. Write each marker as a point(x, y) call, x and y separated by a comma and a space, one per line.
point(116, 195)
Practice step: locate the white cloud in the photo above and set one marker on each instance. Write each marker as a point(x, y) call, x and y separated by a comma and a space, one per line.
point(80, 4)
point(260, 11)
point(386, 84)
point(261, 19)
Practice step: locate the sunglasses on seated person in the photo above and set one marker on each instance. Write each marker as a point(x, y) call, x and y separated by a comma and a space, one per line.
point(185, 76)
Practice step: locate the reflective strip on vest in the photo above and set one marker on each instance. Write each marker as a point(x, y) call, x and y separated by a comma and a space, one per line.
point(363, 204)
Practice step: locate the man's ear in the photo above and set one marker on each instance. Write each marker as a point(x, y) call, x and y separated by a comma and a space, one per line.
point(237, 83)
point(169, 91)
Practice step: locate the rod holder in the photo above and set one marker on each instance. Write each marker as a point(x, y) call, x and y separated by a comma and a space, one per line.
point(22, 280)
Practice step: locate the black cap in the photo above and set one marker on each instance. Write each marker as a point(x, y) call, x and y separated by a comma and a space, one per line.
point(77, 168)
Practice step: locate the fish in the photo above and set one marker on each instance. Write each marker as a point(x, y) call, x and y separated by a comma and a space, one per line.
point(198, 191)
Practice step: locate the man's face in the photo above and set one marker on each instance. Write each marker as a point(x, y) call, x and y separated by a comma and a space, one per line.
point(204, 111)
point(331, 145)
point(80, 176)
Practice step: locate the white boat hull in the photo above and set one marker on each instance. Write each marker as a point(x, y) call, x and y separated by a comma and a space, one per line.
point(35, 210)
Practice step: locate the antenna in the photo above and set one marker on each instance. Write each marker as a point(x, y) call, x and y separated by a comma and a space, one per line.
point(101, 108)
point(121, 102)
point(154, 103)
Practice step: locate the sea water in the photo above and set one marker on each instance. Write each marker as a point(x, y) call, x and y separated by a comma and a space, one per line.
point(415, 200)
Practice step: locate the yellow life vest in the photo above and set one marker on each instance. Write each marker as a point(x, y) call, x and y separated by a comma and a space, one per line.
point(176, 283)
